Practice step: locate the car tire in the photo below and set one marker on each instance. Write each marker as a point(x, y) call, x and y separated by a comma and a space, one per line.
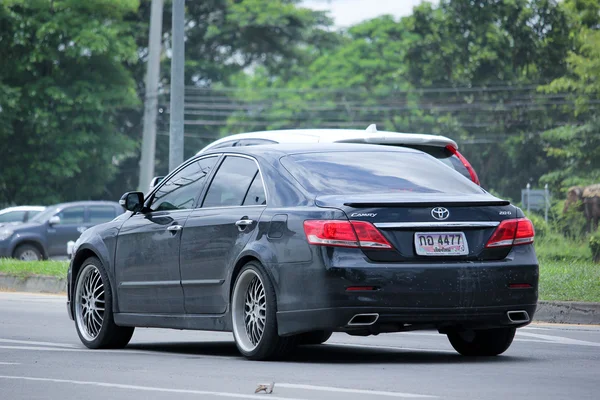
point(28, 252)
point(488, 342)
point(253, 314)
point(92, 309)
point(316, 337)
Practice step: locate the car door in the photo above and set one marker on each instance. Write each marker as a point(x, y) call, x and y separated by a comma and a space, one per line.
point(70, 226)
point(215, 233)
point(147, 253)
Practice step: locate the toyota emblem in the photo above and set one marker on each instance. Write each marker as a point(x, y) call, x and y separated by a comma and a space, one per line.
point(440, 213)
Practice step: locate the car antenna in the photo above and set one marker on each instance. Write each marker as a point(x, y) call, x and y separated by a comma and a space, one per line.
point(372, 128)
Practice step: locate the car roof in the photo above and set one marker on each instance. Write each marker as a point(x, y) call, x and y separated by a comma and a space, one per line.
point(22, 208)
point(339, 135)
point(280, 150)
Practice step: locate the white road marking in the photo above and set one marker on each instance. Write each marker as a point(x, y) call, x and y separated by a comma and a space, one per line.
point(560, 339)
point(146, 388)
point(9, 363)
point(113, 351)
point(51, 344)
point(359, 391)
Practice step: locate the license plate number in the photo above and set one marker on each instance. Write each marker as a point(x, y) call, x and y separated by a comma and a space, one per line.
point(441, 244)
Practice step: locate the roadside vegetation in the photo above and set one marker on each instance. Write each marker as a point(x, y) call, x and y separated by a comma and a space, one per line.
point(568, 271)
point(28, 268)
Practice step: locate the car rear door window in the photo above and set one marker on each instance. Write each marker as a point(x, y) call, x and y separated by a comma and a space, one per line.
point(347, 172)
point(180, 191)
point(12, 216)
point(231, 182)
point(101, 214)
point(72, 215)
point(256, 194)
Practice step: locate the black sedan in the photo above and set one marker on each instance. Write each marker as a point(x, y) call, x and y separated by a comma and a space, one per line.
point(283, 245)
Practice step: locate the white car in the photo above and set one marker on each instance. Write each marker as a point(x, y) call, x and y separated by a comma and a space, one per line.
point(440, 147)
point(20, 214)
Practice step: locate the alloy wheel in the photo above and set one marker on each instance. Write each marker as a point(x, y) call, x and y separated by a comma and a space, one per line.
point(249, 310)
point(89, 302)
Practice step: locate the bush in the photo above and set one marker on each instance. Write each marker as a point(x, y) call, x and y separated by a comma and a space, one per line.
point(540, 225)
point(572, 224)
point(595, 246)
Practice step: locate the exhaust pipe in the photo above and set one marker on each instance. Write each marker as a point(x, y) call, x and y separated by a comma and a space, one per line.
point(517, 317)
point(363, 319)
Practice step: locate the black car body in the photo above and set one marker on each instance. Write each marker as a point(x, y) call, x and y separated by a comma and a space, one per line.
point(47, 234)
point(334, 238)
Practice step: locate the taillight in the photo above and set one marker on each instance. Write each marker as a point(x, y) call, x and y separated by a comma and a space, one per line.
point(465, 162)
point(345, 234)
point(512, 232)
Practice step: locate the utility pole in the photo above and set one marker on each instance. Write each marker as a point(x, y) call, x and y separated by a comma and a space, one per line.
point(177, 86)
point(151, 97)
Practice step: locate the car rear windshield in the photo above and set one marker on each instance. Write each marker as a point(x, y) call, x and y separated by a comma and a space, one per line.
point(368, 172)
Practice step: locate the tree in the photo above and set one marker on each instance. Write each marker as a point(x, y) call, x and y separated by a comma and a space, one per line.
point(575, 147)
point(465, 69)
point(61, 93)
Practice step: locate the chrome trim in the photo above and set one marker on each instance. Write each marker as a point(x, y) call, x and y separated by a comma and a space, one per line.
point(469, 224)
point(524, 316)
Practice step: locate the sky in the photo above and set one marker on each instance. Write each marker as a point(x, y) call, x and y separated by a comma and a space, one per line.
point(350, 12)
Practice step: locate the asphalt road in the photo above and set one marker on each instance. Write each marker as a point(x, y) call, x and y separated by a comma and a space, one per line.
point(41, 358)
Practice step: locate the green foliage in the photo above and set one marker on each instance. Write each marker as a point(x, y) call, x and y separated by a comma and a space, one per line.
point(595, 246)
point(539, 224)
point(62, 90)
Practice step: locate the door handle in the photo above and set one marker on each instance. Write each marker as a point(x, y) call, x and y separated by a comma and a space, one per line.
point(174, 228)
point(243, 223)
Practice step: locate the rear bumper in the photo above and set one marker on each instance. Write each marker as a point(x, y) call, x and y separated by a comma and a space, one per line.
point(314, 295)
point(395, 319)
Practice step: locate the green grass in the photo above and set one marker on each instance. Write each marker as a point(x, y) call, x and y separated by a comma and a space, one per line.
point(569, 280)
point(29, 268)
point(567, 272)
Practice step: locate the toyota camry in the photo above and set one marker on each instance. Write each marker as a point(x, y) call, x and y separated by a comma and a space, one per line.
point(284, 244)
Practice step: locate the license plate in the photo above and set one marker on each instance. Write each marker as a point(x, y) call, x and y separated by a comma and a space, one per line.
point(441, 244)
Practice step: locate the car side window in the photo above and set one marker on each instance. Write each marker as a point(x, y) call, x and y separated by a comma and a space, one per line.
point(180, 191)
point(13, 216)
point(231, 182)
point(72, 215)
point(101, 214)
point(256, 194)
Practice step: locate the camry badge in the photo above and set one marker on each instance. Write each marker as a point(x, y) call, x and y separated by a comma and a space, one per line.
point(440, 213)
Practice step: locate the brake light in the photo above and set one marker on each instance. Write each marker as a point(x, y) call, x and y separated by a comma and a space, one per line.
point(512, 232)
point(345, 234)
point(465, 162)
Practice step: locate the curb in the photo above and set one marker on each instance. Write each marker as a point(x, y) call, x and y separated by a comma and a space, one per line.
point(33, 284)
point(567, 312)
point(557, 312)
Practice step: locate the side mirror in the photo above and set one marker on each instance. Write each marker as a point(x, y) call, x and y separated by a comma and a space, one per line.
point(155, 181)
point(132, 201)
point(54, 220)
